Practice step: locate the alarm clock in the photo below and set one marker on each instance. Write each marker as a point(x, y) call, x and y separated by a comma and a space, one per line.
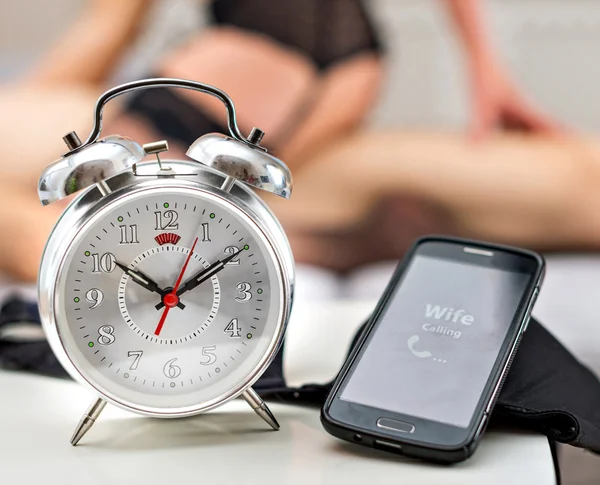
point(166, 285)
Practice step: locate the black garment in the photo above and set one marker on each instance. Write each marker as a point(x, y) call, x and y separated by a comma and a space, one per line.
point(325, 31)
point(15, 354)
point(547, 389)
point(170, 114)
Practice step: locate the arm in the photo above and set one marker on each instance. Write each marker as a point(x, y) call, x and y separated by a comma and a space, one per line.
point(496, 99)
point(89, 49)
point(468, 16)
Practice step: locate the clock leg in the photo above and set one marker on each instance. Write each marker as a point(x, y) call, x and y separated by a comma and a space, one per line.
point(260, 407)
point(88, 420)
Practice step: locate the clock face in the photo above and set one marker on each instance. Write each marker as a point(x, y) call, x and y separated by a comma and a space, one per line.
point(169, 299)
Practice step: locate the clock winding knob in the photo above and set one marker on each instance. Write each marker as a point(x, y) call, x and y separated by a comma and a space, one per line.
point(256, 136)
point(72, 140)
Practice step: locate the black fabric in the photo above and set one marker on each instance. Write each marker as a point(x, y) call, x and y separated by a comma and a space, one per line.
point(550, 391)
point(172, 115)
point(27, 355)
point(326, 31)
point(547, 389)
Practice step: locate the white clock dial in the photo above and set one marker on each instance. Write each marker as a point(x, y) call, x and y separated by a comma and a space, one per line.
point(138, 305)
point(169, 298)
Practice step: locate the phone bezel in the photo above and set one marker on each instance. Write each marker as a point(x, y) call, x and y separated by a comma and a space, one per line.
point(361, 419)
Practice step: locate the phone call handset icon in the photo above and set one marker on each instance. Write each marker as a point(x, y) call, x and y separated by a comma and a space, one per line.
point(421, 354)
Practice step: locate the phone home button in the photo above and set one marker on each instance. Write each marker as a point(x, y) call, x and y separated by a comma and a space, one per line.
point(395, 425)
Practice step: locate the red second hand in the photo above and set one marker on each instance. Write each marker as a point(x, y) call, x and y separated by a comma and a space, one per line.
point(171, 299)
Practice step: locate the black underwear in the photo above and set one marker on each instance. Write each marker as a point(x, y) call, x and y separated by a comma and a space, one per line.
point(326, 31)
point(172, 115)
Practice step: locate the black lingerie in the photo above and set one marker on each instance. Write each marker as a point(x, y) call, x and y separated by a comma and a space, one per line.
point(326, 31)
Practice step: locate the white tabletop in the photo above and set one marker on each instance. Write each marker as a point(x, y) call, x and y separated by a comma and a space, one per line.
point(231, 444)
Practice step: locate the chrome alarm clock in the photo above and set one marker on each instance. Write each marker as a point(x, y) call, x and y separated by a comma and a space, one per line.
point(166, 285)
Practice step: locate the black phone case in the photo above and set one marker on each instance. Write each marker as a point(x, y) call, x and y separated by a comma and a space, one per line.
point(431, 452)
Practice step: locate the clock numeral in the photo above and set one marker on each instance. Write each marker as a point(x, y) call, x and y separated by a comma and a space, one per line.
point(129, 236)
point(166, 220)
point(106, 336)
point(244, 290)
point(229, 250)
point(104, 264)
point(95, 297)
point(171, 370)
point(233, 328)
point(209, 353)
point(137, 354)
point(205, 233)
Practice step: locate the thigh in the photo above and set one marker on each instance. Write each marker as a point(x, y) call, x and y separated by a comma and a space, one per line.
point(539, 193)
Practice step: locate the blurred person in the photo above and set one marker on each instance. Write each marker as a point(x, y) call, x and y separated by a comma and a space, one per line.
point(367, 197)
point(307, 72)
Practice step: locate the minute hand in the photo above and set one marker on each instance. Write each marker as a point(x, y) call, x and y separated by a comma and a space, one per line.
point(203, 275)
point(207, 273)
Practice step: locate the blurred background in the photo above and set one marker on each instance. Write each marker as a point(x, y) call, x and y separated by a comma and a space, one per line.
point(398, 118)
point(549, 45)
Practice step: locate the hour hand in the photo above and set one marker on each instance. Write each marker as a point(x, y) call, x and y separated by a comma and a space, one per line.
point(144, 281)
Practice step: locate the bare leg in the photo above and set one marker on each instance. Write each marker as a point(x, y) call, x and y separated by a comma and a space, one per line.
point(536, 192)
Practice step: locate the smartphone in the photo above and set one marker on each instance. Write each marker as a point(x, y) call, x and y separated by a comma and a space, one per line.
point(428, 367)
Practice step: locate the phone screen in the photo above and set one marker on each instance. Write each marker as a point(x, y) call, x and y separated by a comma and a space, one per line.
point(435, 345)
